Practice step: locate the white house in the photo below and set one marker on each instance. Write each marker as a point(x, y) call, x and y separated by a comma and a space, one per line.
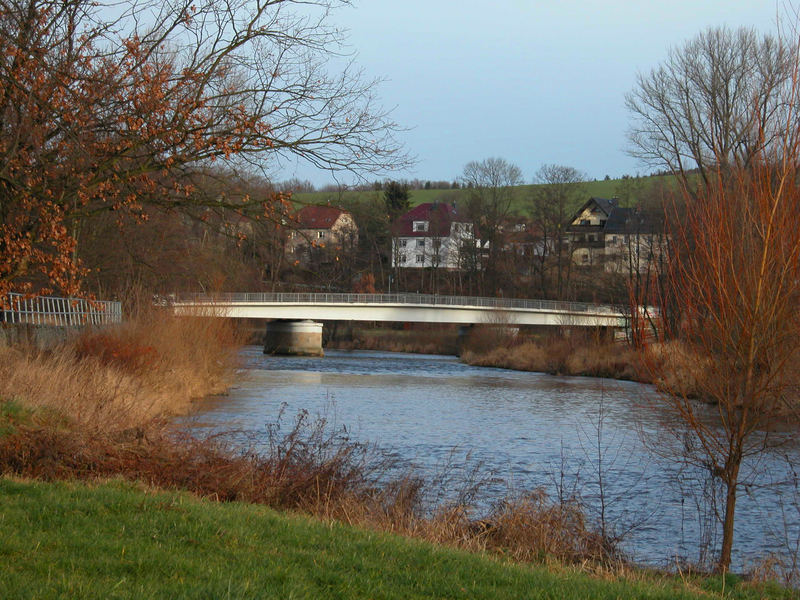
point(431, 235)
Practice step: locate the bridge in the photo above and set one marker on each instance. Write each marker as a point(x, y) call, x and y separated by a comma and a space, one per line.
point(418, 308)
point(295, 313)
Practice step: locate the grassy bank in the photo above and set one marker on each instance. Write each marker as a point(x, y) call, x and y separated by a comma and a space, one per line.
point(118, 540)
point(94, 410)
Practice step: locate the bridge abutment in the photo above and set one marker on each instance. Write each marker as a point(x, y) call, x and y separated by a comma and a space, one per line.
point(293, 338)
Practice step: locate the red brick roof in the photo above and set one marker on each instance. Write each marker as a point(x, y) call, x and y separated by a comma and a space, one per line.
point(439, 215)
point(318, 217)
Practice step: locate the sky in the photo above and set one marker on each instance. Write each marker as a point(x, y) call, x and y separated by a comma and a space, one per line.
point(531, 81)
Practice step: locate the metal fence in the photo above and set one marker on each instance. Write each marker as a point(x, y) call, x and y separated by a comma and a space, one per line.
point(418, 299)
point(60, 312)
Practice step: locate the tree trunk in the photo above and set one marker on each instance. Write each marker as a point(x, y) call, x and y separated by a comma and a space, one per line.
point(724, 563)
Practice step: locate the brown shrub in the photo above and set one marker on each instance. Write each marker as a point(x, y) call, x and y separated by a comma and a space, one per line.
point(311, 469)
point(110, 349)
point(531, 528)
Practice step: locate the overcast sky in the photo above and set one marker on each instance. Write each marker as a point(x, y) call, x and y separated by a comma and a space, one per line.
point(531, 81)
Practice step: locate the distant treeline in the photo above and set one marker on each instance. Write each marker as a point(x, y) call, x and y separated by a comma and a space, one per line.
point(305, 186)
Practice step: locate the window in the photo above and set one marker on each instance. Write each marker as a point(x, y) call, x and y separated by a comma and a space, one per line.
point(602, 222)
point(420, 243)
point(403, 243)
point(420, 226)
point(584, 221)
point(320, 235)
point(402, 258)
point(584, 258)
point(420, 258)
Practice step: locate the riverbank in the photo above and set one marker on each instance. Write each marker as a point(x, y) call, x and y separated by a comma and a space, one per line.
point(578, 354)
point(564, 356)
point(123, 540)
point(413, 339)
point(100, 414)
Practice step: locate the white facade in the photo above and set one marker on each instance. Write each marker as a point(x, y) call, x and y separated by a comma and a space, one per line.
point(431, 251)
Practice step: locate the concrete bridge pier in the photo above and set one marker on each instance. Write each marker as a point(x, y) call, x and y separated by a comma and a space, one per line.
point(464, 332)
point(293, 338)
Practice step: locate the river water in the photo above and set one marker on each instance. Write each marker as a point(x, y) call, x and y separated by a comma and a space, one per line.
point(529, 429)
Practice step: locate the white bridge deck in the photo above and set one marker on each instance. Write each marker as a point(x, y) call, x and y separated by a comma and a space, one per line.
point(418, 308)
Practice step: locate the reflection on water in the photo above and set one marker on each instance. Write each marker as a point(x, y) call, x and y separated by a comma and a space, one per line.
point(529, 428)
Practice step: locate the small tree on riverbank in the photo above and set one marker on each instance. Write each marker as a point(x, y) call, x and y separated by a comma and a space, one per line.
point(734, 272)
point(736, 275)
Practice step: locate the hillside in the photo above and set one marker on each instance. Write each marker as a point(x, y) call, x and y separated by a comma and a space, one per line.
point(625, 189)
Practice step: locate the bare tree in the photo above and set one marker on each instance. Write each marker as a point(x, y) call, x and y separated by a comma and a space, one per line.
point(552, 201)
point(717, 101)
point(118, 106)
point(490, 190)
point(736, 274)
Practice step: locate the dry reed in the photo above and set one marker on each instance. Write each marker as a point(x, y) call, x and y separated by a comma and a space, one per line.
point(124, 376)
point(561, 356)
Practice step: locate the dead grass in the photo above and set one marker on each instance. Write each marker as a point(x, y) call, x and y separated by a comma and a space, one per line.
point(667, 365)
point(678, 370)
point(122, 377)
point(562, 356)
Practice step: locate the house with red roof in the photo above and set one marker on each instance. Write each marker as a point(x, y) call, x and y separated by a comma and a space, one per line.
point(432, 234)
point(321, 227)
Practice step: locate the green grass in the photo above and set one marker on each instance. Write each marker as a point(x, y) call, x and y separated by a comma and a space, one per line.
point(114, 540)
point(12, 414)
point(520, 204)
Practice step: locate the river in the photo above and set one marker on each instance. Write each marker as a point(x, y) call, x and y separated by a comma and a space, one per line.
point(531, 430)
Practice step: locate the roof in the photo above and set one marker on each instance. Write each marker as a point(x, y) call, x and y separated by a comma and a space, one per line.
point(318, 217)
point(440, 215)
point(604, 204)
point(634, 220)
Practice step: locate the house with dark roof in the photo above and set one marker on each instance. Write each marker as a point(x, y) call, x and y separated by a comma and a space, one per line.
point(321, 227)
point(618, 238)
point(431, 235)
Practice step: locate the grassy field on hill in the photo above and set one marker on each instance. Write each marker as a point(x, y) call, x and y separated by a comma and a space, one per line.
point(520, 205)
point(118, 540)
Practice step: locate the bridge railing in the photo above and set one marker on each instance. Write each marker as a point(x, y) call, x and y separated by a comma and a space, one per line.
point(409, 299)
point(60, 312)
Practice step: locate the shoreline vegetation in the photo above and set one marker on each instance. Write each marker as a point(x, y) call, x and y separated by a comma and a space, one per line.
point(97, 408)
point(576, 355)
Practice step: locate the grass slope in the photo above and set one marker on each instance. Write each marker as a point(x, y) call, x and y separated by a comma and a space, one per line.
point(65, 540)
point(522, 193)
